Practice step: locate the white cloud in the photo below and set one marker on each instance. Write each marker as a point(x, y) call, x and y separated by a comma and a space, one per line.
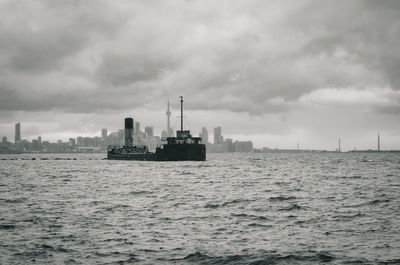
point(369, 97)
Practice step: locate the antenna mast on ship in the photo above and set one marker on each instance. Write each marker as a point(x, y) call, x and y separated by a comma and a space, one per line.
point(168, 121)
point(181, 113)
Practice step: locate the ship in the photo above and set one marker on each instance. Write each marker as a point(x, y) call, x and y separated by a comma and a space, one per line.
point(183, 147)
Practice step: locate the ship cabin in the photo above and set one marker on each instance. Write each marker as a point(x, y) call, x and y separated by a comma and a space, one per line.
point(182, 137)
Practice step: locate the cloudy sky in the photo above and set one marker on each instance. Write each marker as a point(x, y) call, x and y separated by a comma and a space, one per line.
point(274, 72)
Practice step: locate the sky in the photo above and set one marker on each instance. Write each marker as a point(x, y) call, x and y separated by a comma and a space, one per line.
point(273, 72)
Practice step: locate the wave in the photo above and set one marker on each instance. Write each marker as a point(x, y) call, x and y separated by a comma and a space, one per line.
point(115, 207)
point(139, 192)
point(125, 257)
point(186, 173)
point(282, 198)
point(236, 201)
point(377, 202)
point(291, 208)
point(205, 165)
point(259, 225)
point(16, 200)
point(368, 203)
point(252, 217)
point(7, 226)
point(348, 217)
point(211, 205)
point(254, 259)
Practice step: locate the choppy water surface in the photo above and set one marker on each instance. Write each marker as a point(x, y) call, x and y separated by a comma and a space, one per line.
point(231, 209)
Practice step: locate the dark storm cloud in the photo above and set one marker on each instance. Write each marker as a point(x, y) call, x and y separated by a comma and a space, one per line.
point(368, 30)
point(36, 37)
point(125, 69)
point(256, 57)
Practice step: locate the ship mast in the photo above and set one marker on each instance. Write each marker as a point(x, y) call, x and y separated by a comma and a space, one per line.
point(168, 121)
point(181, 113)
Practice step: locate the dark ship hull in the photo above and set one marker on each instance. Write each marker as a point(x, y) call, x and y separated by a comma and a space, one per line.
point(169, 152)
point(181, 152)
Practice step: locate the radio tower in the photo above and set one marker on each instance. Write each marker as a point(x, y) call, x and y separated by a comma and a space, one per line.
point(168, 121)
point(379, 142)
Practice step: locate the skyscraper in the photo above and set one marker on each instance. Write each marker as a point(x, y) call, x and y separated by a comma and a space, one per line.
point(103, 134)
point(71, 143)
point(137, 129)
point(204, 135)
point(17, 132)
point(148, 131)
point(218, 139)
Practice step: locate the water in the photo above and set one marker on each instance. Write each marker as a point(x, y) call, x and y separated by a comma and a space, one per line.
point(232, 209)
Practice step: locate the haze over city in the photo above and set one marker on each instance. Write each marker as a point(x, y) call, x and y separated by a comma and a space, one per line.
point(273, 72)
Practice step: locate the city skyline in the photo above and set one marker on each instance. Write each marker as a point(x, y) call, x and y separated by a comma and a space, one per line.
point(218, 138)
point(271, 72)
point(219, 144)
point(131, 135)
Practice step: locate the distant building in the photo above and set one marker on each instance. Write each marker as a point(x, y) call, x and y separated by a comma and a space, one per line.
point(114, 138)
point(17, 132)
point(121, 136)
point(71, 143)
point(204, 135)
point(245, 146)
point(103, 134)
point(4, 145)
point(151, 142)
point(87, 142)
point(229, 145)
point(218, 138)
point(35, 145)
point(137, 129)
point(148, 131)
point(164, 134)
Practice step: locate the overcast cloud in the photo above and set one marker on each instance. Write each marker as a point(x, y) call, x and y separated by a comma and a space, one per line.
point(271, 71)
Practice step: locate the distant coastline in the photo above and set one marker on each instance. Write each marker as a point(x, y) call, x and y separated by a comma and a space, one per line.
point(255, 150)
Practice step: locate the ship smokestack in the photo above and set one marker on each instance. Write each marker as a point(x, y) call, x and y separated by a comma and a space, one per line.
point(128, 132)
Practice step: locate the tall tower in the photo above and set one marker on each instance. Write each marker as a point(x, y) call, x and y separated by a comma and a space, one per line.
point(379, 142)
point(17, 132)
point(169, 130)
point(340, 150)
